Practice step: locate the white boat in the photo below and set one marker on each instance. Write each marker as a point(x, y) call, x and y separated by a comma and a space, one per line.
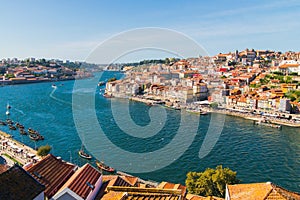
point(8, 106)
point(54, 86)
point(267, 123)
point(101, 83)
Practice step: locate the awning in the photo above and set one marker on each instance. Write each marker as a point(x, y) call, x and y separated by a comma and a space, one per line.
point(19, 150)
point(12, 145)
point(202, 102)
point(36, 158)
point(31, 155)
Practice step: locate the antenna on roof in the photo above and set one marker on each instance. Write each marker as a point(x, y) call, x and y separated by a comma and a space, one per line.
point(90, 185)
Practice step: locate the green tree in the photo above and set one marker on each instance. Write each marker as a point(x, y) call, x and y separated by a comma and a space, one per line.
point(8, 76)
point(167, 61)
point(214, 105)
point(211, 182)
point(288, 79)
point(278, 73)
point(293, 95)
point(44, 150)
point(264, 81)
point(254, 85)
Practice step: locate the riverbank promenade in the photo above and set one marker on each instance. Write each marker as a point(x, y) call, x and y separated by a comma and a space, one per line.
point(255, 117)
point(236, 113)
point(16, 151)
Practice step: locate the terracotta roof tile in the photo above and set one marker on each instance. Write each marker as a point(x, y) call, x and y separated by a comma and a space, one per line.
point(115, 180)
point(131, 179)
point(287, 65)
point(196, 197)
point(113, 196)
point(118, 181)
point(135, 193)
point(52, 172)
point(78, 182)
point(257, 191)
point(167, 185)
point(249, 191)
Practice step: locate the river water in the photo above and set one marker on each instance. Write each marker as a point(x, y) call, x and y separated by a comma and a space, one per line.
point(258, 154)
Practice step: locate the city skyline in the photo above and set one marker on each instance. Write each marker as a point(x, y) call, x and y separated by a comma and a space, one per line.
point(72, 31)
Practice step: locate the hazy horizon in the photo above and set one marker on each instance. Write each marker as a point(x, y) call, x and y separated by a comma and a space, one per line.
point(72, 30)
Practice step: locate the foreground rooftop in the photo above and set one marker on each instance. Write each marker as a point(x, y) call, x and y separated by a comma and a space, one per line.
point(16, 183)
point(257, 191)
point(52, 172)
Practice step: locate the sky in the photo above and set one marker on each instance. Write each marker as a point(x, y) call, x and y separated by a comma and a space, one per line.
point(73, 29)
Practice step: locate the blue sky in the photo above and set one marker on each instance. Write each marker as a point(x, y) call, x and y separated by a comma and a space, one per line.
point(72, 29)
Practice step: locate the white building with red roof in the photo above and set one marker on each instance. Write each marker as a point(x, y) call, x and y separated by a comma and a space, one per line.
point(84, 184)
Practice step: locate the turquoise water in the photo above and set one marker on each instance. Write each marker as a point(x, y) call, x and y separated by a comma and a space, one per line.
point(258, 154)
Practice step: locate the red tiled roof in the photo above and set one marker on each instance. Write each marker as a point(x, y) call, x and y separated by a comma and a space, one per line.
point(52, 172)
point(115, 180)
point(245, 191)
point(167, 185)
point(118, 181)
point(255, 191)
point(196, 197)
point(131, 179)
point(135, 193)
point(287, 65)
point(78, 182)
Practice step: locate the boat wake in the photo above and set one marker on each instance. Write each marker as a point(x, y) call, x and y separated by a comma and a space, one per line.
point(20, 111)
point(57, 99)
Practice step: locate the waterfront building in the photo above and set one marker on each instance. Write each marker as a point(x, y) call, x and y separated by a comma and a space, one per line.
point(186, 95)
point(263, 103)
point(84, 184)
point(284, 105)
point(200, 91)
point(242, 102)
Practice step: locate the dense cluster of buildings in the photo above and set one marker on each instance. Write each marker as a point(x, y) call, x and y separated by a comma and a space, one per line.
point(54, 178)
point(250, 80)
point(247, 81)
point(14, 71)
